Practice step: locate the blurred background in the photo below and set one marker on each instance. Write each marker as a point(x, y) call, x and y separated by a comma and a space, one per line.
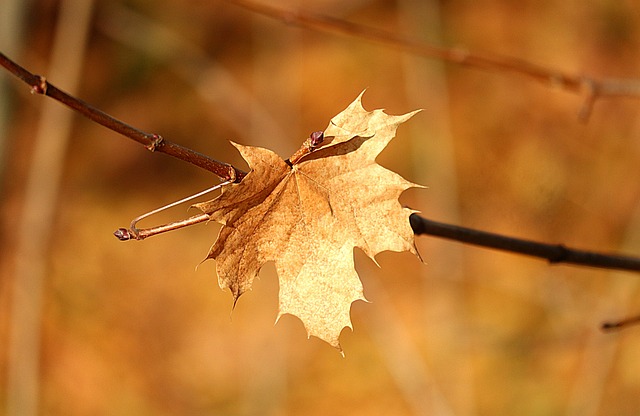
point(91, 325)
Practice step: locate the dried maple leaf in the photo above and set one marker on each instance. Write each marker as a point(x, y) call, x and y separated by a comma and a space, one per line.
point(307, 214)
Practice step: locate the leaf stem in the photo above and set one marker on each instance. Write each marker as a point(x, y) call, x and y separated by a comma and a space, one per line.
point(134, 233)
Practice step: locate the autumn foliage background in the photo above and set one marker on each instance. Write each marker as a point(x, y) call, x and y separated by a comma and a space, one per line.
point(132, 328)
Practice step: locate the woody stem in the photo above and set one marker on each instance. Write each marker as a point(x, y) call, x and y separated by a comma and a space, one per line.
point(153, 142)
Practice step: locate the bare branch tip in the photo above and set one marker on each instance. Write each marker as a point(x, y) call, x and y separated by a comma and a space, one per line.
point(122, 234)
point(618, 325)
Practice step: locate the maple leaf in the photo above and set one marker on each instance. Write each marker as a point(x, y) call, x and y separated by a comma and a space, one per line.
point(307, 214)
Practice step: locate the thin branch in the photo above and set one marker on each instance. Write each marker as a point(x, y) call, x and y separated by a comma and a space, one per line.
point(591, 88)
point(153, 142)
point(622, 324)
point(554, 253)
point(124, 234)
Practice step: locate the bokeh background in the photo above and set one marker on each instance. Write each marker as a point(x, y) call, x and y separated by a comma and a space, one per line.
point(134, 328)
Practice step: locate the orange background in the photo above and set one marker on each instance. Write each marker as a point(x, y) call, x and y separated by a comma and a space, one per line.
point(132, 328)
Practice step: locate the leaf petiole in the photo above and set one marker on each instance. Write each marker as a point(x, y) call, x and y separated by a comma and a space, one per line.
point(134, 233)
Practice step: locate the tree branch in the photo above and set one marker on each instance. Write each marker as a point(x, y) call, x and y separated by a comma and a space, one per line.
point(554, 253)
point(591, 88)
point(153, 142)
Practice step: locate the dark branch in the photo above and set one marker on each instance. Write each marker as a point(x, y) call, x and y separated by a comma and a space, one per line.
point(617, 325)
point(152, 142)
point(554, 253)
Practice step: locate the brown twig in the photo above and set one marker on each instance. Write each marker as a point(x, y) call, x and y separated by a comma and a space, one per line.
point(153, 142)
point(591, 88)
point(554, 253)
point(124, 234)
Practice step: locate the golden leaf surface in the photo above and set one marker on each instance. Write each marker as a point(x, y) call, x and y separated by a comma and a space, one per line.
point(307, 216)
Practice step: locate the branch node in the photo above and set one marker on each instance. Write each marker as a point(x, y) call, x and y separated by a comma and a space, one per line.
point(155, 143)
point(591, 94)
point(460, 55)
point(560, 255)
point(231, 174)
point(40, 87)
